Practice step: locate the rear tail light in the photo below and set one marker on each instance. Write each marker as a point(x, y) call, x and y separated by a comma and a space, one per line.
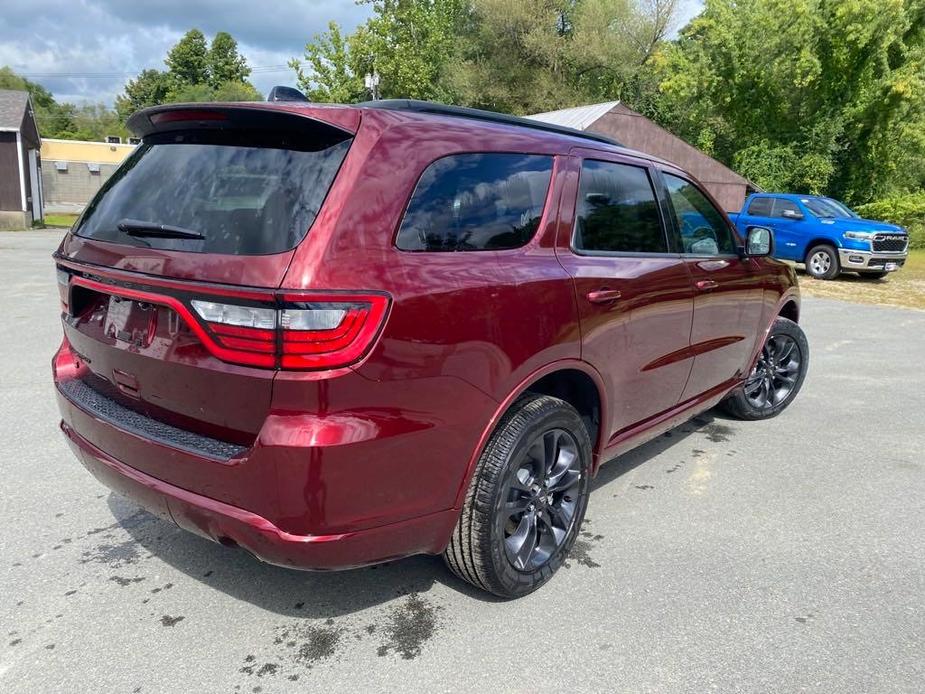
point(266, 329)
point(303, 332)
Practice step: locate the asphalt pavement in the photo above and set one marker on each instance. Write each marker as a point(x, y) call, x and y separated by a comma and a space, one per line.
point(777, 556)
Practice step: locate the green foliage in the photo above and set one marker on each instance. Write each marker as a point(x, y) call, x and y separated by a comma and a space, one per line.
point(803, 95)
point(188, 61)
point(407, 42)
point(148, 89)
point(518, 56)
point(54, 119)
point(906, 210)
point(196, 71)
point(225, 63)
point(334, 76)
point(235, 90)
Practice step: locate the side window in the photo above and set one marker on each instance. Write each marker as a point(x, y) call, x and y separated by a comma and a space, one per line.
point(786, 208)
point(760, 207)
point(703, 229)
point(617, 210)
point(476, 202)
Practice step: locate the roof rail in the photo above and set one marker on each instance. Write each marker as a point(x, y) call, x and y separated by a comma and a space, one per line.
point(478, 114)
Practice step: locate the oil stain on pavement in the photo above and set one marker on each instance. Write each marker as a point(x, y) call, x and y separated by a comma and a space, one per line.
point(300, 645)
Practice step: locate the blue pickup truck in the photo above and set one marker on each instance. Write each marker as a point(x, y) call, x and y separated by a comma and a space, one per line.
point(825, 235)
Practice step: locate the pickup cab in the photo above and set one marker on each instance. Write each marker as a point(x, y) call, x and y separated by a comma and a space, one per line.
point(826, 235)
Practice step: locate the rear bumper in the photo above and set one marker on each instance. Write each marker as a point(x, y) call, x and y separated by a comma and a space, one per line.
point(867, 260)
point(230, 525)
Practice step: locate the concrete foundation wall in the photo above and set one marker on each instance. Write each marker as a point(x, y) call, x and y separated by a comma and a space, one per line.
point(15, 221)
point(76, 185)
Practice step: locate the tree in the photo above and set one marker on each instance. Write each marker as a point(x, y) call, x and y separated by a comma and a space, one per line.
point(519, 56)
point(409, 43)
point(188, 61)
point(233, 90)
point(196, 71)
point(333, 76)
point(225, 64)
point(148, 89)
point(828, 101)
point(53, 119)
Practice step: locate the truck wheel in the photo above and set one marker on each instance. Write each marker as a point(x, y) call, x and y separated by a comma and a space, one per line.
point(526, 501)
point(822, 262)
point(873, 275)
point(776, 377)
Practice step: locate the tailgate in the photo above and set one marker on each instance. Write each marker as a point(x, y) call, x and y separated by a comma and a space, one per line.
point(138, 350)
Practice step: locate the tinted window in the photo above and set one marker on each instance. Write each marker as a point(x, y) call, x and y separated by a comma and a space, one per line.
point(475, 202)
point(703, 228)
point(780, 205)
point(617, 210)
point(760, 207)
point(246, 194)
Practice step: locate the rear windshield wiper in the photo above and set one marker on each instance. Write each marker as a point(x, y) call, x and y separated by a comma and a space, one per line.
point(135, 227)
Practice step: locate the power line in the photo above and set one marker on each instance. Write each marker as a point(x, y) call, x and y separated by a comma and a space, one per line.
point(259, 69)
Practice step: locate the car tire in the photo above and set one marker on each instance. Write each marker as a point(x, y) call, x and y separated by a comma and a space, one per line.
point(873, 275)
point(822, 262)
point(777, 376)
point(539, 460)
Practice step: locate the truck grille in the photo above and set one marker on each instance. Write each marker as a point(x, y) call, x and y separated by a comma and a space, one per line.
point(890, 243)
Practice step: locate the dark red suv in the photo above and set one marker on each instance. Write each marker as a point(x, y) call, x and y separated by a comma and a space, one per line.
point(335, 336)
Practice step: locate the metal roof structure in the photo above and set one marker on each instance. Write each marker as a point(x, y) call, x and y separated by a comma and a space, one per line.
point(579, 117)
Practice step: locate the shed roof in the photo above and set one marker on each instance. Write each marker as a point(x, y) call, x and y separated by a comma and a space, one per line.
point(13, 105)
point(579, 117)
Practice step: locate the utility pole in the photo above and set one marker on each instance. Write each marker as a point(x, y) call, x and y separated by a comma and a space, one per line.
point(372, 84)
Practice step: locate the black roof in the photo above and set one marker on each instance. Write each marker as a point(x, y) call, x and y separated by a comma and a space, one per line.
point(479, 114)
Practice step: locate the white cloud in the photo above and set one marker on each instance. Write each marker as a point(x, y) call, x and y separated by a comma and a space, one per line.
point(86, 51)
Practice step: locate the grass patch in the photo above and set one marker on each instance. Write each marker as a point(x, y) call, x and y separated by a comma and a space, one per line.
point(905, 287)
point(60, 220)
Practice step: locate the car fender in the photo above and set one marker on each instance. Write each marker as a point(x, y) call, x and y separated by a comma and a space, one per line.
point(523, 386)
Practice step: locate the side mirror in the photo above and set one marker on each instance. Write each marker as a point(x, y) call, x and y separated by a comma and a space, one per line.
point(759, 242)
point(792, 214)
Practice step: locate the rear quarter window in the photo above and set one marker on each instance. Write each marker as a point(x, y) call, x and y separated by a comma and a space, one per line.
point(476, 202)
point(760, 207)
point(244, 193)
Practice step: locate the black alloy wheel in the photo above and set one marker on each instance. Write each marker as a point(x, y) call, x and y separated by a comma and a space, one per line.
point(776, 377)
point(541, 500)
point(526, 500)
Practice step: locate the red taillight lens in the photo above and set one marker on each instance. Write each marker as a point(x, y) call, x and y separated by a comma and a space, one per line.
point(316, 332)
point(187, 115)
point(329, 332)
point(270, 329)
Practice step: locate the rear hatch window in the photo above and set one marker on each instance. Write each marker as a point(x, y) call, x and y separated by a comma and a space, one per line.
point(236, 192)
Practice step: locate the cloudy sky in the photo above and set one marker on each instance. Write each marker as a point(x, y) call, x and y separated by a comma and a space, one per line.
point(85, 50)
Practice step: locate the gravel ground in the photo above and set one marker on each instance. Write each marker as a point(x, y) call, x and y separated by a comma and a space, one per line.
point(785, 555)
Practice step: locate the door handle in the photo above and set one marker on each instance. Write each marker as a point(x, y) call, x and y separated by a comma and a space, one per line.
point(706, 285)
point(603, 296)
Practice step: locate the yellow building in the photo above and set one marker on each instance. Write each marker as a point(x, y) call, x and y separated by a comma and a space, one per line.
point(73, 170)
